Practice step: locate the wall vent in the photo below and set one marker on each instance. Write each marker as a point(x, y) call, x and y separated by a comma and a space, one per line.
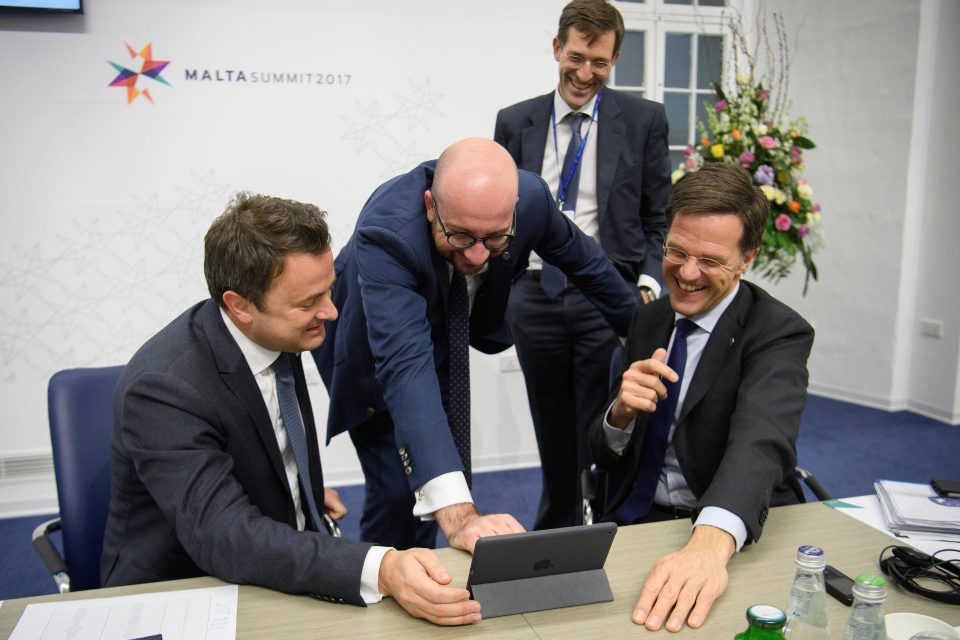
point(16, 467)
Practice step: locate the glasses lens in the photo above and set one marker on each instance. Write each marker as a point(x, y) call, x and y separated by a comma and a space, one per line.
point(496, 242)
point(461, 240)
point(675, 256)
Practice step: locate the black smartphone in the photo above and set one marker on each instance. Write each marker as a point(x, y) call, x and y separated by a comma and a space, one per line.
point(946, 488)
point(839, 585)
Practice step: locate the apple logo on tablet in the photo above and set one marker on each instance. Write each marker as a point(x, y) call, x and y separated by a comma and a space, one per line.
point(542, 565)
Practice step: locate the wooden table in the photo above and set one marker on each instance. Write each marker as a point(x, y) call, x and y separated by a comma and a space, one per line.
point(761, 574)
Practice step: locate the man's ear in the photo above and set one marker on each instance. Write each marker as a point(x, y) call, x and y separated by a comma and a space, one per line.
point(238, 307)
point(747, 259)
point(428, 204)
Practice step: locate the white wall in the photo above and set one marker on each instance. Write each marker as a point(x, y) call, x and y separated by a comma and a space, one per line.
point(104, 204)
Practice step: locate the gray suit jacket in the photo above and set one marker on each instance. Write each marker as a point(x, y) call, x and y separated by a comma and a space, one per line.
point(633, 172)
point(198, 484)
point(736, 435)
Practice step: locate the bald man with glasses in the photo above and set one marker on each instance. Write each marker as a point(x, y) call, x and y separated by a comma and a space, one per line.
point(426, 274)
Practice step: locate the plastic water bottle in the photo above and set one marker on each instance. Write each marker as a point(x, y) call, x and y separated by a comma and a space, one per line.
point(807, 605)
point(866, 619)
point(764, 622)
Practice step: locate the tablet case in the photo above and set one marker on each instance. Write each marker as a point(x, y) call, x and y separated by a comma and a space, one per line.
point(538, 570)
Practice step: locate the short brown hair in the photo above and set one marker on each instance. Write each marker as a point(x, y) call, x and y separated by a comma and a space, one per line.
point(245, 246)
point(722, 188)
point(592, 18)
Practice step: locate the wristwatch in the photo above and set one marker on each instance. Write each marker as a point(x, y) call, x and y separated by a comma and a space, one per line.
point(651, 296)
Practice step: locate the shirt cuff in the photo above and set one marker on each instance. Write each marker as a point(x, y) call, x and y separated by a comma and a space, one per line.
point(442, 491)
point(617, 439)
point(727, 520)
point(649, 282)
point(370, 575)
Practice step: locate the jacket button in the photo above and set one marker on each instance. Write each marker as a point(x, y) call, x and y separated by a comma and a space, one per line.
point(408, 470)
point(370, 412)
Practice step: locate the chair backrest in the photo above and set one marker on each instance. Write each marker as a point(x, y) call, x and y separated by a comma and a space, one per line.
point(81, 417)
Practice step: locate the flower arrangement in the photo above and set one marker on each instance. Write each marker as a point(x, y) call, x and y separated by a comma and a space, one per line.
point(751, 127)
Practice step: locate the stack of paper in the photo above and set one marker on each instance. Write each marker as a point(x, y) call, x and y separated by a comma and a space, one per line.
point(915, 510)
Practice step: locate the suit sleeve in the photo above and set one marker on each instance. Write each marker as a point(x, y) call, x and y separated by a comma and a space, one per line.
point(391, 276)
point(761, 444)
point(170, 429)
point(654, 194)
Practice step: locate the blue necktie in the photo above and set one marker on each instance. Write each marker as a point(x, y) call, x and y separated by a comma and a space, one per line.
point(296, 435)
point(552, 279)
point(458, 403)
point(638, 503)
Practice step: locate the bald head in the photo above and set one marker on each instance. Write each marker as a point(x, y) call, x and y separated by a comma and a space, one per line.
point(474, 192)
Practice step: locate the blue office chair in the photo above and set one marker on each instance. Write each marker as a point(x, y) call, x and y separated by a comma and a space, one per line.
point(81, 417)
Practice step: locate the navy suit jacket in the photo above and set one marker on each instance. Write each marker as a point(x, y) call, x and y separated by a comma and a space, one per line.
point(633, 172)
point(389, 348)
point(198, 484)
point(736, 434)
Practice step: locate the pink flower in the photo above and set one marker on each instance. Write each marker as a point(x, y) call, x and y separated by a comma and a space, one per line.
point(763, 94)
point(795, 155)
point(746, 159)
point(688, 151)
point(816, 208)
point(782, 223)
point(767, 142)
point(803, 230)
point(691, 164)
point(720, 105)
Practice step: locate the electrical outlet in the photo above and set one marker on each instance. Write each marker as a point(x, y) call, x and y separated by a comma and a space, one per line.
point(509, 362)
point(931, 328)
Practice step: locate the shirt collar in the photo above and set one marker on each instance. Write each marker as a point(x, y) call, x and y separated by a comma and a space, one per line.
point(708, 320)
point(561, 108)
point(258, 358)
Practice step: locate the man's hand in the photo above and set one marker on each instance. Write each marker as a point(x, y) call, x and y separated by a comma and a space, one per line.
point(692, 578)
point(641, 388)
point(416, 579)
point(463, 525)
point(332, 504)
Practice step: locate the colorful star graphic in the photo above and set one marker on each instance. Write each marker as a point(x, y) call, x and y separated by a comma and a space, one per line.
point(150, 68)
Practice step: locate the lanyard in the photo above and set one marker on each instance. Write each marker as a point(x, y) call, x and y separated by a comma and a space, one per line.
point(565, 180)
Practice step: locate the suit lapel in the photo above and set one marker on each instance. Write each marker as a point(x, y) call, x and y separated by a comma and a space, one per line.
point(533, 137)
point(719, 346)
point(236, 374)
point(610, 135)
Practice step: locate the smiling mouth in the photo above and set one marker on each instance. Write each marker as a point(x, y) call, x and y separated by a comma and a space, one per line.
point(579, 86)
point(689, 288)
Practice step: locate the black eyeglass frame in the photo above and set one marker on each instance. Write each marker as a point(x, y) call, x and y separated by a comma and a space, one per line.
point(507, 237)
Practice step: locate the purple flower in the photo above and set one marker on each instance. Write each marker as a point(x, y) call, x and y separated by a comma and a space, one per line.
point(803, 230)
point(816, 208)
point(746, 159)
point(688, 151)
point(782, 223)
point(764, 174)
point(795, 155)
point(767, 142)
point(763, 94)
point(720, 105)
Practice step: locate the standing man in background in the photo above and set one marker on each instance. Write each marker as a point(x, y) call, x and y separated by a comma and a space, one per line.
point(604, 156)
point(426, 275)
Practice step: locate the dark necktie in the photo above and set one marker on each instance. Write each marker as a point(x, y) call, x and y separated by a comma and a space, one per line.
point(458, 403)
point(638, 503)
point(552, 279)
point(296, 435)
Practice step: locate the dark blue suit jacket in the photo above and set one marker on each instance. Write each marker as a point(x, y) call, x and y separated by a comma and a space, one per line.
point(389, 348)
point(633, 172)
point(198, 484)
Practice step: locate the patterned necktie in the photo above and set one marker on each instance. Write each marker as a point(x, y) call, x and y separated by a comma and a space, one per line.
point(638, 503)
point(458, 409)
point(552, 279)
point(296, 435)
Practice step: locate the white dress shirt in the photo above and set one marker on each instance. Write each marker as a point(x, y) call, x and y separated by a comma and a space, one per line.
point(672, 487)
point(260, 360)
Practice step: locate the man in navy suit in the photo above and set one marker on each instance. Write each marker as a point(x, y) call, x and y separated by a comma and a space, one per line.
point(727, 449)
point(206, 465)
point(468, 220)
point(621, 171)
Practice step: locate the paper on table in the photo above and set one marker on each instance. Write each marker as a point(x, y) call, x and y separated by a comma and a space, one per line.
point(193, 614)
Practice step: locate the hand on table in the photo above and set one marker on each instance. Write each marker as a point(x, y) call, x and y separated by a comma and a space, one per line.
point(463, 525)
point(641, 388)
point(417, 580)
point(686, 582)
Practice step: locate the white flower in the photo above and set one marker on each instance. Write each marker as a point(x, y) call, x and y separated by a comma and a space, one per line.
point(761, 129)
point(805, 191)
point(743, 79)
point(676, 175)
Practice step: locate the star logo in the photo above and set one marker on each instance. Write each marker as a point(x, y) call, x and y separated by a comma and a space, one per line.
point(149, 68)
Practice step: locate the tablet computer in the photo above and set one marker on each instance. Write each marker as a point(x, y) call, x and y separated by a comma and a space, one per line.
point(538, 570)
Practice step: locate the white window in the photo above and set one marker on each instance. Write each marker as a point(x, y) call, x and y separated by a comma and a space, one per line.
point(673, 52)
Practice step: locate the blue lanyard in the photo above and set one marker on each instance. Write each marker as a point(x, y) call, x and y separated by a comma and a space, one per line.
point(565, 181)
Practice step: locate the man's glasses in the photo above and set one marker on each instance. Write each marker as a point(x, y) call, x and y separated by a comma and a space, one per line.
point(597, 64)
point(461, 240)
point(674, 255)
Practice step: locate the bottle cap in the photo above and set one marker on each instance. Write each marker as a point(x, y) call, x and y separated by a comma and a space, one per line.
point(810, 557)
point(870, 587)
point(766, 616)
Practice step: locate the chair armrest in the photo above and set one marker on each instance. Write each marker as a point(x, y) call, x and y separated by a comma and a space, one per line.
point(49, 554)
point(815, 485)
